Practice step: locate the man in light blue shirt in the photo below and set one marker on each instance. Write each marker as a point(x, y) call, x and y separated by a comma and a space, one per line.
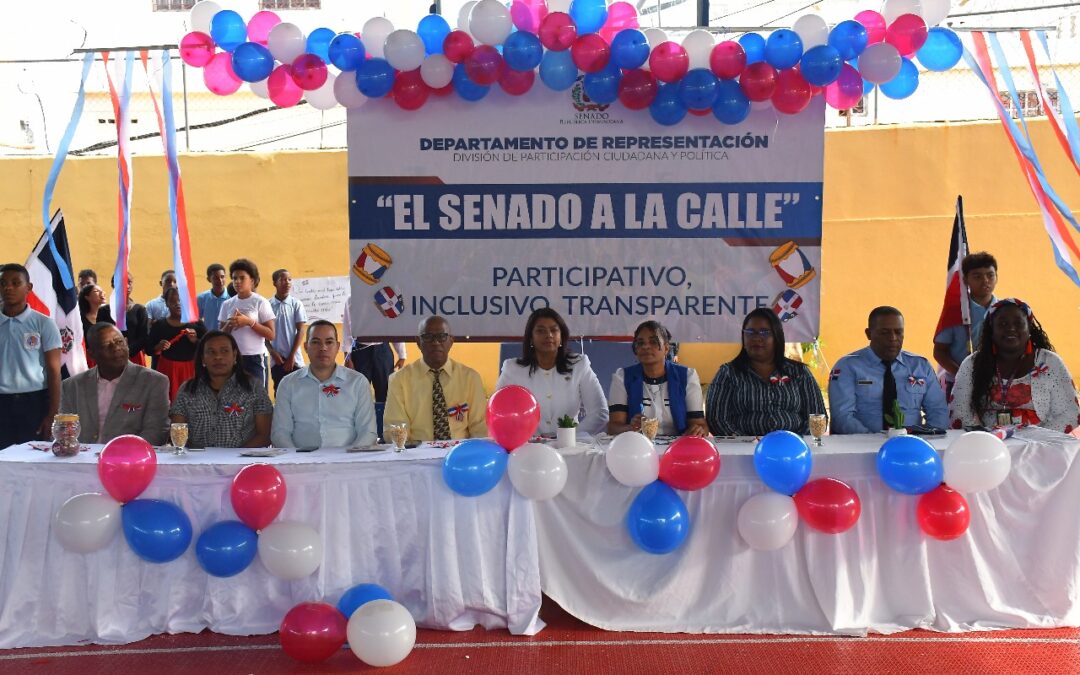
point(864, 384)
point(157, 309)
point(951, 344)
point(324, 405)
point(289, 321)
point(210, 302)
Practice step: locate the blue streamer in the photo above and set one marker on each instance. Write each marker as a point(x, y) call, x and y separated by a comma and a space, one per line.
point(183, 275)
point(1072, 131)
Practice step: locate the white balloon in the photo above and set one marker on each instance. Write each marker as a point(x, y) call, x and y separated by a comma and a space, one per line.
point(879, 63)
point(202, 14)
point(699, 45)
point(381, 633)
point(655, 36)
point(404, 50)
point(374, 34)
point(260, 88)
point(896, 8)
point(632, 459)
point(767, 521)
point(559, 6)
point(346, 93)
point(812, 30)
point(324, 98)
point(290, 551)
point(436, 71)
point(976, 462)
point(490, 22)
point(464, 14)
point(537, 471)
point(935, 11)
point(286, 42)
point(87, 522)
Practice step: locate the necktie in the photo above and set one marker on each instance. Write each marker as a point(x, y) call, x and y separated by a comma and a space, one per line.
point(438, 408)
point(888, 394)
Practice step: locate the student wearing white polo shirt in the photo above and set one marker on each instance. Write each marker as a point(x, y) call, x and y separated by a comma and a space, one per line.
point(29, 363)
point(249, 318)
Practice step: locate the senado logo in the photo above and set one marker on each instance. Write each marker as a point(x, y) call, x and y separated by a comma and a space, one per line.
point(587, 111)
point(581, 100)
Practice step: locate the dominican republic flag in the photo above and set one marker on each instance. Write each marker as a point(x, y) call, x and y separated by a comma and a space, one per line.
point(956, 310)
point(785, 305)
point(390, 302)
point(51, 298)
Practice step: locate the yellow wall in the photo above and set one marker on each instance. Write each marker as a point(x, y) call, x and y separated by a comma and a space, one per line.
point(889, 195)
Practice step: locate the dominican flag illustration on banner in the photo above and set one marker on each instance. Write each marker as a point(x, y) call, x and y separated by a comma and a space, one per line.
point(51, 298)
point(390, 302)
point(956, 310)
point(785, 305)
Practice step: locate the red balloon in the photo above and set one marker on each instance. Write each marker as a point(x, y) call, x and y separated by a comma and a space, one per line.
point(690, 463)
point(943, 513)
point(792, 93)
point(758, 81)
point(907, 33)
point(590, 53)
point(313, 632)
point(700, 113)
point(258, 493)
point(457, 46)
point(485, 65)
point(557, 31)
point(669, 62)
point(828, 505)
point(727, 60)
point(309, 72)
point(410, 92)
point(126, 466)
point(517, 82)
point(637, 89)
point(444, 91)
point(512, 416)
point(196, 49)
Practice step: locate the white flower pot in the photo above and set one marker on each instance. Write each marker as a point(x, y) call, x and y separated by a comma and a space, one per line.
point(566, 438)
point(897, 432)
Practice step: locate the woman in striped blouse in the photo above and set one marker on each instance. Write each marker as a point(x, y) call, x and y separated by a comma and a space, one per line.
point(761, 390)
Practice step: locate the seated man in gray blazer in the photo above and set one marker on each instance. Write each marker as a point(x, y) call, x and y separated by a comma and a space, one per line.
point(116, 397)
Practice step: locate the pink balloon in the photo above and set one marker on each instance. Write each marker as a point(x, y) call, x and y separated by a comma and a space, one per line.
point(845, 92)
point(590, 53)
point(485, 65)
point(126, 466)
point(512, 416)
point(258, 490)
point(517, 82)
point(669, 62)
point(309, 72)
point(527, 14)
point(218, 75)
point(196, 49)
point(758, 81)
point(907, 34)
point(410, 92)
point(874, 24)
point(457, 46)
point(258, 27)
point(637, 89)
point(727, 60)
point(557, 31)
point(792, 93)
point(313, 632)
point(690, 463)
point(620, 16)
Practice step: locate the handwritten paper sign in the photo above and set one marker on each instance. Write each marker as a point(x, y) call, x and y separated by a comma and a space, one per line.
point(323, 297)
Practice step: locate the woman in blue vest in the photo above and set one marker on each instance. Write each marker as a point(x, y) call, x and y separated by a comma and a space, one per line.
point(656, 387)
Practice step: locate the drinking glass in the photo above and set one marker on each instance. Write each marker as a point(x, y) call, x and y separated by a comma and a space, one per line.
point(398, 434)
point(649, 427)
point(819, 424)
point(178, 434)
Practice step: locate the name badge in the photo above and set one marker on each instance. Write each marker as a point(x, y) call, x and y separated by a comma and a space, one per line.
point(865, 382)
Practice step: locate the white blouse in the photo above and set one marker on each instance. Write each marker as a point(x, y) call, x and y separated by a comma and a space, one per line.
point(562, 393)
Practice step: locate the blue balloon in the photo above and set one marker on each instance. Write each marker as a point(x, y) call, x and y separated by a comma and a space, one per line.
point(318, 43)
point(909, 464)
point(588, 15)
point(557, 70)
point(228, 30)
point(658, 521)
point(252, 62)
point(157, 531)
point(941, 51)
point(629, 48)
point(522, 50)
point(783, 48)
point(346, 52)
point(225, 549)
point(470, 91)
point(754, 46)
point(849, 38)
point(667, 108)
point(375, 78)
point(359, 595)
point(433, 30)
point(731, 106)
point(821, 65)
point(603, 87)
point(476, 465)
point(698, 89)
point(783, 460)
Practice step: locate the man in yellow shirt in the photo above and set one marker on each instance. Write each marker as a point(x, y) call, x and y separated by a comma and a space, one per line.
point(438, 398)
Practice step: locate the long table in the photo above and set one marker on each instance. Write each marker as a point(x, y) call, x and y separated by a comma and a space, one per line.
point(384, 518)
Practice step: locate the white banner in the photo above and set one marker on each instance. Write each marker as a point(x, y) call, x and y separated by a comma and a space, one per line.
point(483, 212)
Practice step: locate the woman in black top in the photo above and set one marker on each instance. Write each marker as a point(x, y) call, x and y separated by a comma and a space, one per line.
point(173, 343)
point(93, 310)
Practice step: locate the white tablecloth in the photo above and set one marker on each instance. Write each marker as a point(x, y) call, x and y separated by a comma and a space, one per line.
point(454, 562)
point(1018, 565)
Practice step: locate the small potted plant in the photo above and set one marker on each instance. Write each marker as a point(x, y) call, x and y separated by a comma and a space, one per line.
point(895, 420)
point(566, 435)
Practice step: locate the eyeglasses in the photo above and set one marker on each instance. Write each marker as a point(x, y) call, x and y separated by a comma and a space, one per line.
point(432, 338)
point(763, 333)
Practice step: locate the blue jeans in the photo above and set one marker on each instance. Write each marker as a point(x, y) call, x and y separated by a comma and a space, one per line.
point(255, 366)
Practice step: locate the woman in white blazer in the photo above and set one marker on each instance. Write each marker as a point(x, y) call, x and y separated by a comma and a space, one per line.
point(562, 382)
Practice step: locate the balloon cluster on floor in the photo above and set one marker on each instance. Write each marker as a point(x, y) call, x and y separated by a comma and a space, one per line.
point(975, 462)
point(561, 40)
